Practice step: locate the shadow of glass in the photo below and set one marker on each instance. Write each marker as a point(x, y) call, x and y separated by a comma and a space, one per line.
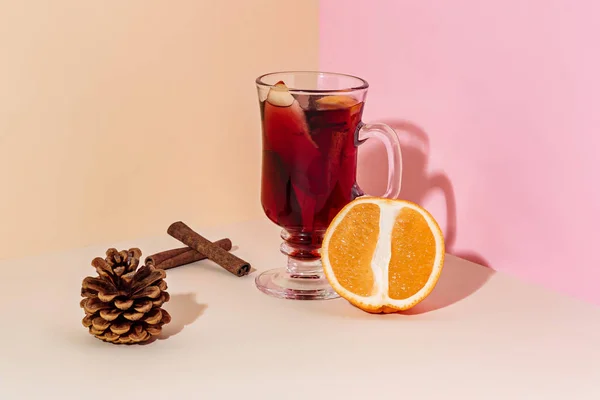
point(184, 311)
point(418, 183)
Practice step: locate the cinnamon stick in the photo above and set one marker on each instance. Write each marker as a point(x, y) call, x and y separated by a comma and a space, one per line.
point(184, 255)
point(220, 256)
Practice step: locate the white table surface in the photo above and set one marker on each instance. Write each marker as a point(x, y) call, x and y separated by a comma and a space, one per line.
point(480, 335)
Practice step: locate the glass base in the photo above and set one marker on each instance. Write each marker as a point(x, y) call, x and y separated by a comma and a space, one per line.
point(301, 280)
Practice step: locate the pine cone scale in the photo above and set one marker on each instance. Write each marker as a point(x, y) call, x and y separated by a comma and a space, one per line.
point(166, 317)
point(96, 331)
point(89, 293)
point(111, 337)
point(135, 316)
point(154, 277)
point(87, 321)
point(154, 316)
point(99, 285)
point(120, 327)
point(123, 304)
point(153, 330)
point(106, 297)
point(159, 302)
point(142, 273)
point(128, 278)
point(92, 305)
point(100, 324)
point(102, 267)
point(143, 306)
point(151, 292)
point(110, 315)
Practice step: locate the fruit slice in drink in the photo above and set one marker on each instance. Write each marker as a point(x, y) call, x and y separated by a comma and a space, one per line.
point(286, 129)
point(277, 194)
point(287, 134)
point(340, 115)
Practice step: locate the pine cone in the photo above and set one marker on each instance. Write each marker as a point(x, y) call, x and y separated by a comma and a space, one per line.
point(123, 304)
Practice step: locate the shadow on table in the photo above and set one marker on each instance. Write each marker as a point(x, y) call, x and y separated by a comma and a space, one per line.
point(184, 311)
point(459, 280)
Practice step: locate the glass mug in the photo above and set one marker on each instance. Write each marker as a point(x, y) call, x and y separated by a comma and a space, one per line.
point(311, 130)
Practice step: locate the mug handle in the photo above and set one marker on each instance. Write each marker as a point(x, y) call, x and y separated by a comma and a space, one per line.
point(388, 136)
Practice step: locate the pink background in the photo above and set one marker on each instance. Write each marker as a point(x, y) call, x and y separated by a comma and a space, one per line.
point(497, 105)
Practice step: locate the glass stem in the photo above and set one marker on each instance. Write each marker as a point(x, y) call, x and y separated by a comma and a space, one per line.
point(304, 253)
point(309, 269)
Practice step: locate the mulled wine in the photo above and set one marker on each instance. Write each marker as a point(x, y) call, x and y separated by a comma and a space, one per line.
point(309, 159)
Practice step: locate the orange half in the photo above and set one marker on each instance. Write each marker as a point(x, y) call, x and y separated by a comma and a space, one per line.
point(383, 255)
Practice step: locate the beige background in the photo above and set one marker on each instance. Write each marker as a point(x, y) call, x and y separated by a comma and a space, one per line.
point(118, 118)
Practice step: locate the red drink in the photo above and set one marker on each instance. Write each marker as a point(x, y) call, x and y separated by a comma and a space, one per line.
point(309, 162)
